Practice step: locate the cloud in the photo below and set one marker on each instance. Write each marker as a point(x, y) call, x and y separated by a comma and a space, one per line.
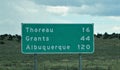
point(13, 13)
point(58, 2)
point(96, 10)
point(115, 18)
point(116, 28)
point(75, 2)
point(86, 7)
point(60, 10)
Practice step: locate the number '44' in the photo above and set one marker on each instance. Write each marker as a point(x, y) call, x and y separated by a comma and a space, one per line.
point(83, 38)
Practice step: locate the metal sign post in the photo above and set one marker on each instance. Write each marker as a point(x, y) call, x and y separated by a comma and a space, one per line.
point(35, 62)
point(80, 61)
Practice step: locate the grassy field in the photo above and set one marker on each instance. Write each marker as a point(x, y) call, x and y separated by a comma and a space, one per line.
point(105, 57)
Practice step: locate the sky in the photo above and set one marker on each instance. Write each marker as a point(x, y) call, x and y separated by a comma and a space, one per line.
point(105, 14)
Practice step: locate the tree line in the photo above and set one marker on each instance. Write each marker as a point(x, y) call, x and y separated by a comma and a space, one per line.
point(98, 35)
point(108, 36)
point(10, 37)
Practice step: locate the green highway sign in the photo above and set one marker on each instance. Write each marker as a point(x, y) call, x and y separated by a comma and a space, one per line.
point(57, 38)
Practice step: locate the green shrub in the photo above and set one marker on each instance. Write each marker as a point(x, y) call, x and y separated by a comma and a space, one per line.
point(1, 42)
